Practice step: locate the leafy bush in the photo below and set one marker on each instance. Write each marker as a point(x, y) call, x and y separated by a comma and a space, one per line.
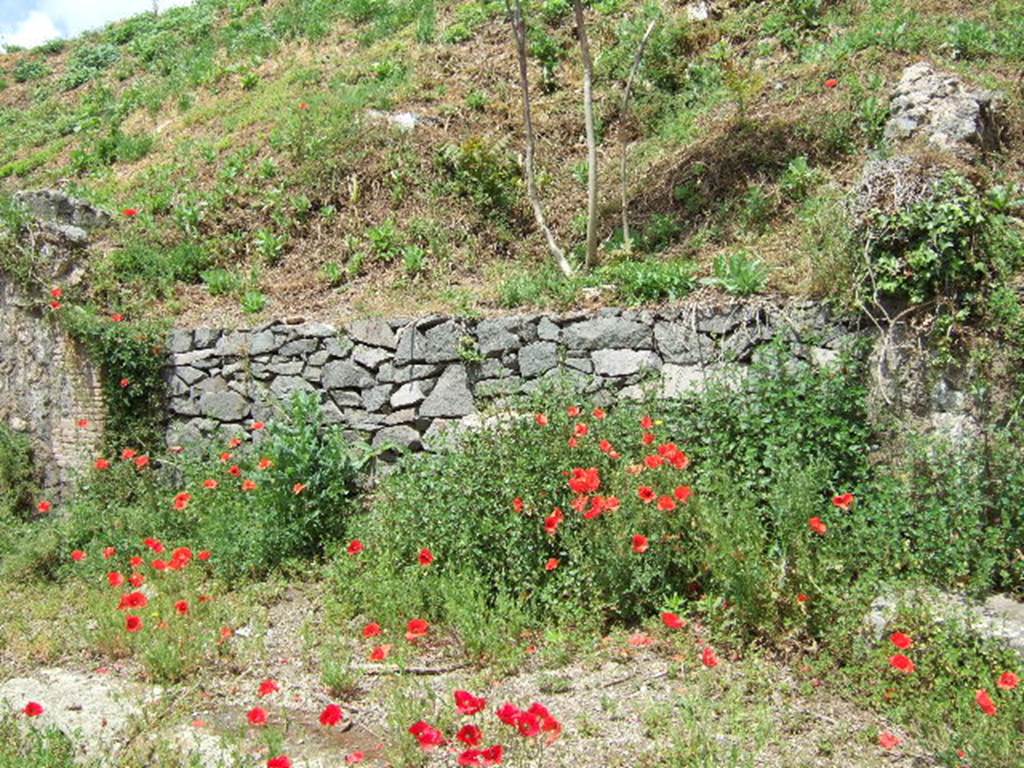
point(286, 490)
point(17, 475)
point(87, 62)
point(483, 172)
point(29, 69)
point(948, 244)
point(649, 280)
point(738, 273)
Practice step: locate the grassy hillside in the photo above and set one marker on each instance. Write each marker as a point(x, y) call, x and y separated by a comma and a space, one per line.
point(254, 140)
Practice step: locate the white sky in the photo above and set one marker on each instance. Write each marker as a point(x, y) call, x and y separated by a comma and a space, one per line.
point(28, 23)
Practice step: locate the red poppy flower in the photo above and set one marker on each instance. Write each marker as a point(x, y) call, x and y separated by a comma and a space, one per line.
point(551, 564)
point(986, 703)
point(281, 761)
point(102, 464)
point(125, 383)
point(508, 713)
point(646, 494)
point(234, 442)
point(647, 423)
point(468, 704)
point(130, 212)
point(902, 663)
point(182, 607)
point(380, 653)
point(541, 419)
point(115, 579)
point(416, 628)
point(470, 757)
point(141, 462)
point(109, 552)
point(640, 543)
point(573, 411)
point(205, 555)
point(654, 461)
point(303, 106)
point(709, 658)
point(44, 506)
point(581, 430)
point(817, 525)
point(471, 735)
point(355, 547)
point(552, 521)
point(887, 740)
point(901, 640)
point(55, 305)
point(802, 598)
point(159, 565)
point(133, 600)
point(136, 580)
point(843, 501)
point(1008, 681)
point(78, 555)
point(332, 715)
point(573, 442)
point(683, 493)
point(181, 500)
point(355, 757)
point(518, 505)
point(155, 544)
point(600, 414)
point(680, 460)
point(672, 621)
point(33, 709)
point(265, 463)
point(257, 426)
point(248, 485)
point(132, 623)
point(494, 755)
point(268, 687)
point(298, 488)
point(128, 454)
point(181, 556)
point(235, 470)
point(427, 735)
point(82, 423)
point(528, 724)
point(426, 556)
point(831, 83)
point(209, 483)
point(56, 293)
point(666, 503)
point(372, 630)
point(257, 716)
point(117, 317)
point(585, 481)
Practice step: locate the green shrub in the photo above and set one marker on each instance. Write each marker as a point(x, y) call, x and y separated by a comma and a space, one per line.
point(17, 475)
point(485, 173)
point(949, 244)
point(29, 69)
point(738, 273)
point(87, 62)
point(34, 747)
point(650, 280)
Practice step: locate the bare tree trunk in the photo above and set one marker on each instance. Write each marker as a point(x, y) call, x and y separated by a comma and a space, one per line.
point(519, 29)
point(627, 240)
point(588, 114)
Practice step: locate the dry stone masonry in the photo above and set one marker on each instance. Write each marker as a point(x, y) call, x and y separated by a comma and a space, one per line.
point(407, 382)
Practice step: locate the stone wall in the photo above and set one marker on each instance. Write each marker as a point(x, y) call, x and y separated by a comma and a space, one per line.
point(48, 386)
point(407, 381)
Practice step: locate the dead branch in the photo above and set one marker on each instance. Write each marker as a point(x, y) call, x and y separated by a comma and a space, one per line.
point(622, 131)
point(588, 116)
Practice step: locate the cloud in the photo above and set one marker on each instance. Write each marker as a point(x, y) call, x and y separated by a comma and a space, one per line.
point(48, 19)
point(34, 29)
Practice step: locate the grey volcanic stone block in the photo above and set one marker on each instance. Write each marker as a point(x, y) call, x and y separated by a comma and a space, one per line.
point(607, 333)
point(401, 436)
point(623, 362)
point(180, 341)
point(536, 358)
point(235, 344)
point(342, 374)
point(375, 398)
point(224, 406)
point(547, 330)
point(369, 357)
point(496, 336)
point(339, 346)
point(373, 332)
point(678, 343)
point(284, 386)
point(298, 348)
point(679, 380)
point(205, 337)
point(315, 330)
point(451, 396)
point(443, 342)
point(408, 394)
point(262, 342)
